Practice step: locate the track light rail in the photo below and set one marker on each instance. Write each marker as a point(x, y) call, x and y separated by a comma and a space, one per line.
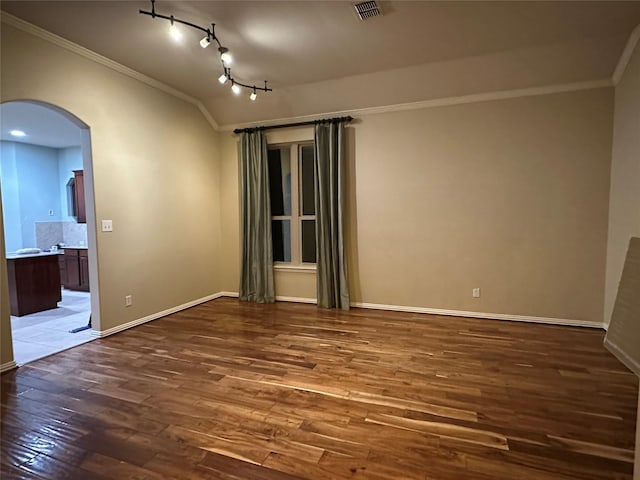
point(225, 57)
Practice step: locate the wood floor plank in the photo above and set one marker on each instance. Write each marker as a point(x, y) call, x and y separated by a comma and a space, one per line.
point(112, 468)
point(236, 391)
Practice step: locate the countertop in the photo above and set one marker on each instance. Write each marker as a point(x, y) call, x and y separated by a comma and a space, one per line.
point(14, 256)
point(60, 251)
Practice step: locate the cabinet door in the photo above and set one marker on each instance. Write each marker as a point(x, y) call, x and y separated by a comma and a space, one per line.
point(84, 271)
point(63, 270)
point(73, 269)
point(81, 211)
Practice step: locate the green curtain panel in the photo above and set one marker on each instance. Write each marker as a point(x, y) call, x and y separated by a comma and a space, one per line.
point(256, 276)
point(330, 163)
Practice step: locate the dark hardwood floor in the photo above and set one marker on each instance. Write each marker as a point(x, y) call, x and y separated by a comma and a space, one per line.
point(234, 391)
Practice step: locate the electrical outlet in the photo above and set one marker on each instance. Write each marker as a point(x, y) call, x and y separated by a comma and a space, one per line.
point(475, 293)
point(107, 225)
point(128, 300)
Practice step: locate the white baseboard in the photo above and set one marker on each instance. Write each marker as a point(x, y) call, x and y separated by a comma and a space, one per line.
point(490, 316)
point(155, 316)
point(628, 362)
point(278, 298)
point(229, 294)
point(453, 313)
point(8, 366)
point(296, 299)
point(374, 306)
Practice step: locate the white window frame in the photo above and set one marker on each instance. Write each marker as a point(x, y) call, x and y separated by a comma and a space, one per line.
point(296, 217)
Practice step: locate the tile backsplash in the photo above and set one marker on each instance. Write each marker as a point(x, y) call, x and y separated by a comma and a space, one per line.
point(48, 233)
point(74, 234)
point(53, 233)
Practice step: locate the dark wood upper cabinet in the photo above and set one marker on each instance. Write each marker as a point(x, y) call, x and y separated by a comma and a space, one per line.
point(80, 209)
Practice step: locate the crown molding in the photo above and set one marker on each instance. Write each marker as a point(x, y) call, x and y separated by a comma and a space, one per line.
point(438, 102)
point(102, 60)
point(626, 55)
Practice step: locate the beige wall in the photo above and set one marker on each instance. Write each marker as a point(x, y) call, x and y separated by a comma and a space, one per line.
point(230, 198)
point(624, 204)
point(156, 175)
point(510, 196)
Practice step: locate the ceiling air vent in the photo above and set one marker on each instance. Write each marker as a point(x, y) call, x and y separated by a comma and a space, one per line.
point(366, 10)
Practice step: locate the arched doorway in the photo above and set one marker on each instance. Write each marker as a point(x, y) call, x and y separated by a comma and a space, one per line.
point(46, 175)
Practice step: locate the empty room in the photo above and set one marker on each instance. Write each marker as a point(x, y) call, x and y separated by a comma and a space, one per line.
point(323, 239)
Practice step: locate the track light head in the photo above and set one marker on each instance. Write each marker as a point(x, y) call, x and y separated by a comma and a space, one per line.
point(253, 95)
point(205, 42)
point(223, 78)
point(174, 31)
point(235, 89)
point(225, 56)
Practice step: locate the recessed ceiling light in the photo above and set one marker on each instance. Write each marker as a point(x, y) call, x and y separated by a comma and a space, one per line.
point(18, 133)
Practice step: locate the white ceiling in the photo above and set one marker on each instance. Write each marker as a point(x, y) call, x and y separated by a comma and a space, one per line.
point(43, 126)
point(315, 52)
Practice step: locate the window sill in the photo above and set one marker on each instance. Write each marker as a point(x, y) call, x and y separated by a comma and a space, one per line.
point(279, 267)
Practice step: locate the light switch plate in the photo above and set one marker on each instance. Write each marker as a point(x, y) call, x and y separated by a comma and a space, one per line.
point(107, 225)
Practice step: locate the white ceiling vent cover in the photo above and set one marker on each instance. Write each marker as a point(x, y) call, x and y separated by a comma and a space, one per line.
point(366, 10)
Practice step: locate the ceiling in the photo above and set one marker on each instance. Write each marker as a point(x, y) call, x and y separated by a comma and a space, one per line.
point(319, 57)
point(42, 126)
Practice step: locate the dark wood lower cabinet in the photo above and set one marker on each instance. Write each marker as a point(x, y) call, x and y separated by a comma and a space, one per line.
point(63, 270)
point(74, 270)
point(34, 284)
point(84, 270)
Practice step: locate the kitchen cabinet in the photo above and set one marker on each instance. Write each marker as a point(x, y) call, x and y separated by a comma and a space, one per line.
point(34, 283)
point(63, 270)
point(75, 271)
point(80, 210)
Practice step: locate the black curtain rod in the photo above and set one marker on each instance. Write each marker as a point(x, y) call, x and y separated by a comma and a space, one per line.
point(297, 124)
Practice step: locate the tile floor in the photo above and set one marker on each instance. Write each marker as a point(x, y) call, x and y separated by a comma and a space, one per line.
point(43, 333)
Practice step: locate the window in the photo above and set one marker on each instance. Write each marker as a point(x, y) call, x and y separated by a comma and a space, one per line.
point(293, 209)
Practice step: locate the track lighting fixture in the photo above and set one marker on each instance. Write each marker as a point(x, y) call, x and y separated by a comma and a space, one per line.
point(174, 31)
point(225, 55)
